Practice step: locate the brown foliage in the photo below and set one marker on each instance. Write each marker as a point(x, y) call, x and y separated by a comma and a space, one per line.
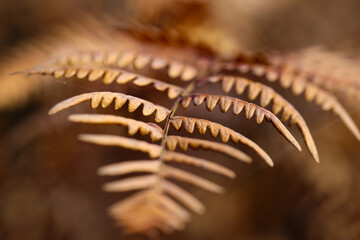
point(181, 68)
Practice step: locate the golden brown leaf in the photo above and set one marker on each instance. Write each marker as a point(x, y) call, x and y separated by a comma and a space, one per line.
point(106, 98)
point(238, 105)
point(175, 69)
point(267, 95)
point(152, 166)
point(153, 150)
point(288, 76)
point(134, 126)
point(145, 211)
point(215, 129)
point(199, 162)
point(108, 75)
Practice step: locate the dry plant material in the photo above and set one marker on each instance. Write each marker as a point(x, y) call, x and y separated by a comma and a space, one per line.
point(268, 95)
point(161, 204)
point(109, 76)
point(125, 59)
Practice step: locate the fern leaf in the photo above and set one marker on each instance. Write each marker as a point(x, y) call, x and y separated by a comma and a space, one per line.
point(332, 70)
point(131, 183)
point(158, 204)
point(190, 178)
point(238, 105)
point(184, 142)
point(147, 210)
point(289, 77)
point(108, 76)
point(127, 167)
point(321, 97)
point(183, 196)
point(200, 163)
point(267, 95)
point(175, 69)
point(153, 150)
point(135, 183)
point(134, 126)
point(106, 98)
point(216, 129)
point(152, 166)
point(328, 101)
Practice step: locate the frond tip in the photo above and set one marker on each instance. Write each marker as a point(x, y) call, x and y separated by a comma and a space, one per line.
point(238, 105)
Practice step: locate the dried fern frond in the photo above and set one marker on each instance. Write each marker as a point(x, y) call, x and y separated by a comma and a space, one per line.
point(152, 208)
point(215, 129)
point(147, 210)
point(152, 205)
point(160, 204)
point(135, 183)
point(108, 76)
point(149, 181)
point(332, 70)
point(134, 126)
point(184, 142)
point(203, 163)
point(238, 105)
point(106, 98)
point(145, 165)
point(83, 33)
point(289, 77)
point(120, 60)
point(153, 150)
point(321, 97)
point(268, 95)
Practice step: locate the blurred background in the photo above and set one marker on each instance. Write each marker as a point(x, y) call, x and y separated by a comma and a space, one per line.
point(48, 183)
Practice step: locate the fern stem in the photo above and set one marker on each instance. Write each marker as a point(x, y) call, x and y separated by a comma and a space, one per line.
point(175, 106)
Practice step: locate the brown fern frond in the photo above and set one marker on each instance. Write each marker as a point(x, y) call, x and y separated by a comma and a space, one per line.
point(268, 95)
point(136, 166)
point(127, 167)
point(152, 208)
point(289, 77)
point(332, 70)
point(172, 142)
point(321, 97)
point(174, 69)
point(148, 210)
point(200, 163)
point(238, 105)
point(161, 204)
point(128, 208)
point(153, 150)
point(216, 129)
point(131, 183)
point(139, 182)
point(106, 98)
point(184, 143)
point(134, 126)
point(108, 76)
point(327, 101)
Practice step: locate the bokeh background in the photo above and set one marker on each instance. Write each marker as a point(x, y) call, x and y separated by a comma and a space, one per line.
point(48, 183)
